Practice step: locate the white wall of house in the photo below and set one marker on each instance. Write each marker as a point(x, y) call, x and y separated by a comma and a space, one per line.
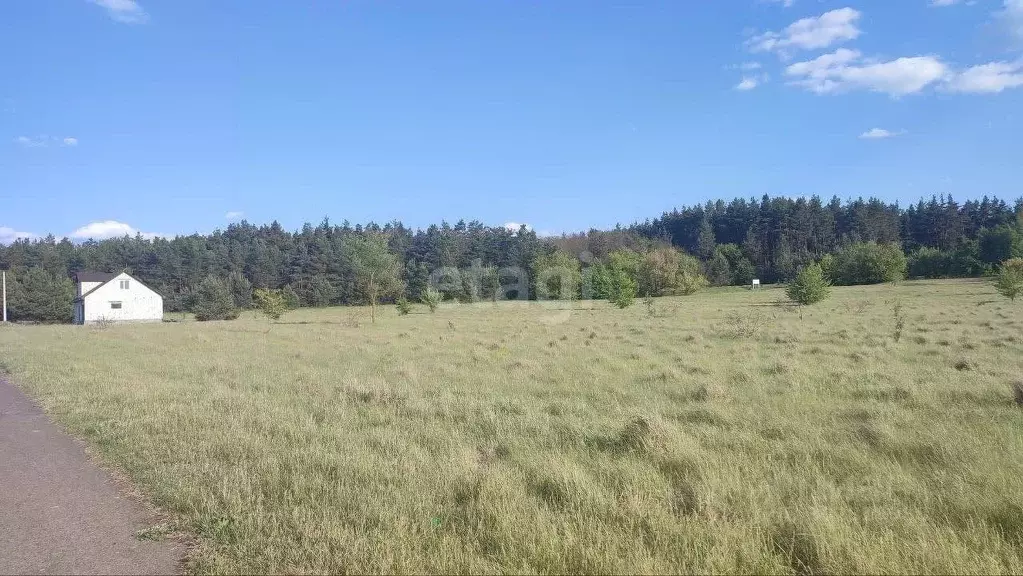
point(83, 287)
point(116, 301)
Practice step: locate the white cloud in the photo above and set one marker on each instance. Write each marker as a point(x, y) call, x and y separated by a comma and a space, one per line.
point(785, 3)
point(944, 2)
point(880, 134)
point(988, 78)
point(44, 141)
point(1012, 16)
point(233, 215)
point(124, 11)
point(811, 33)
point(515, 226)
point(845, 70)
point(27, 142)
point(747, 84)
point(9, 235)
point(110, 229)
point(750, 66)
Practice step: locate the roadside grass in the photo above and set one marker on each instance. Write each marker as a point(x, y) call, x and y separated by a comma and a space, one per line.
point(718, 433)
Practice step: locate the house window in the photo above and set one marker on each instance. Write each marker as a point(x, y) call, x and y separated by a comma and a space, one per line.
point(115, 305)
point(124, 284)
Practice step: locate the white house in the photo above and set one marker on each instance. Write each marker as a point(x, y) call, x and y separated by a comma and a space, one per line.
point(103, 297)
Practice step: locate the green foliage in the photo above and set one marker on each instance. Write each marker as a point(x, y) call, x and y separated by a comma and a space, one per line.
point(827, 263)
point(626, 260)
point(999, 244)
point(669, 271)
point(416, 277)
point(603, 280)
point(318, 291)
point(928, 263)
point(1009, 281)
point(403, 306)
point(621, 288)
point(272, 303)
point(962, 262)
point(479, 282)
point(691, 278)
point(719, 271)
point(809, 287)
point(432, 298)
point(558, 276)
point(290, 297)
point(659, 271)
point(375, 267)
point(705, 243)
point(39, 296)
point(241, 290)
point(768, 238)
point(740, 268)
point(868, 263)
point(214, 300)
point(595, 281)
point(490, 283)
point(743, 273)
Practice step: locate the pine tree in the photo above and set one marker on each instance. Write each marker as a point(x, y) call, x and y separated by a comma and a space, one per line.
point(214, 301)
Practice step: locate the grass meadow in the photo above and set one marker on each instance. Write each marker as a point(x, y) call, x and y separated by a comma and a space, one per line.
point(720, 432)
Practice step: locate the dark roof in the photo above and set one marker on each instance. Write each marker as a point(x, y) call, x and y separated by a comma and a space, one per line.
point(101, 277)
point(94, 276)
point(85, 277)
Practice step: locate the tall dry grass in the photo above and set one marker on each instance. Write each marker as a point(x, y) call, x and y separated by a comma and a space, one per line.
point(514, 438)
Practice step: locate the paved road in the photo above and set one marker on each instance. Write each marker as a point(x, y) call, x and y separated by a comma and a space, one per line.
point(59, 512)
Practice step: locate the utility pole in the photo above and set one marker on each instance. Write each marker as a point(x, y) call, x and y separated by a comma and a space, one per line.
point(5, 294)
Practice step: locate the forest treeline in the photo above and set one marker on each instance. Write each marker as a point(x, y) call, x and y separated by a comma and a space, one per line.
point(734, 242)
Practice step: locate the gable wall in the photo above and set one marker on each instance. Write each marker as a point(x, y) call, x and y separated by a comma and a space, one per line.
point(83, 287)
point(138, 303)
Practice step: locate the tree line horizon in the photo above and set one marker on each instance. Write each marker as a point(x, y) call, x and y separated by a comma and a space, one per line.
point(727, 243)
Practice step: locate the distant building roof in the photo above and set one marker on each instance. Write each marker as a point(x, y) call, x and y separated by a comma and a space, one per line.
point(94, 276)
point(104, 278)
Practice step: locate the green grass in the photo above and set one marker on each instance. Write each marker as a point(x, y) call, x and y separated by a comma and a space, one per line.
point(722, 433)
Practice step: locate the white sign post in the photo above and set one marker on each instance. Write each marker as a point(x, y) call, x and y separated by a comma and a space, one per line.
point(756, 284)
point(5, 295)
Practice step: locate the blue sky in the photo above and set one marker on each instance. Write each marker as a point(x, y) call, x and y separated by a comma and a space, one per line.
point(176, 116)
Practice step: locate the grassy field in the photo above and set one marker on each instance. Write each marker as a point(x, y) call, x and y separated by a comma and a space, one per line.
point(719, 432)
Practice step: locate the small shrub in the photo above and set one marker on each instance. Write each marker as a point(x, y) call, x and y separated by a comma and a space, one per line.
point(691, 282)
point(214, 301)
point(621, 288)
point(1009, 281)
point(1017, 393)
point(649, 303)
point(900, 320)
point(403, 306)
point(867, 263)
point(744, 325)
point(271, 303)
point(432, 298)
point(809, 287)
